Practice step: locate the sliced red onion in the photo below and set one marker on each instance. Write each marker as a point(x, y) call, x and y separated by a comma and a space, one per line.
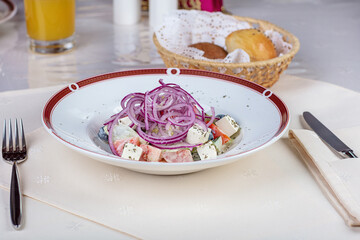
point(169, 109)
point(110, 130)
point(212, 117)
point(177, 146)
point(201, 124)
point(145, 103)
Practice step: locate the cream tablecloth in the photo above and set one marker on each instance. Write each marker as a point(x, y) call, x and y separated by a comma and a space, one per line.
point(267, 195)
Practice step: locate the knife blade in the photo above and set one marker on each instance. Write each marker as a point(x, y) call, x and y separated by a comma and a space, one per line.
point(326, 135)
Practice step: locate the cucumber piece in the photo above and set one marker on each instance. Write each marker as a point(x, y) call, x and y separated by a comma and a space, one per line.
point(218, 144)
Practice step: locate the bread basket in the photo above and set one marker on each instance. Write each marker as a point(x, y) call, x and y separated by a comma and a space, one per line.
point(265, 73)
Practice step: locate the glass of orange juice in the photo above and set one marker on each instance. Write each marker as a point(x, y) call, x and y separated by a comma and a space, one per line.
point(50, 25)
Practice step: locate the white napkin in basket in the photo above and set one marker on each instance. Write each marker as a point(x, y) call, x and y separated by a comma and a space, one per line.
point(181, 28)
point(338, 178)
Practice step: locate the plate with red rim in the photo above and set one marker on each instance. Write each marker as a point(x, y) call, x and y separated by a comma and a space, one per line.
point(7, 10)
point(74, 115)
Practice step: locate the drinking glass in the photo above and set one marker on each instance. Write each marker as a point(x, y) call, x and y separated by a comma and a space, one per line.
point(50, 25)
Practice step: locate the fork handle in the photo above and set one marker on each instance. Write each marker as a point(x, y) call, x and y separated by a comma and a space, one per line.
point(15, 198)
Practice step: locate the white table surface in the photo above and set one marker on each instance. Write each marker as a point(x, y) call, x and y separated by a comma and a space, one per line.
point(328, 31)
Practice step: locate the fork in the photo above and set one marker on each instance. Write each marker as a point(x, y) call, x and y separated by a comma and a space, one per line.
point(14, 152)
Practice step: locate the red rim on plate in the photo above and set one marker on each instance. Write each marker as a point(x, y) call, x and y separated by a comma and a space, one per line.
point(55, 99)
point(10, 11)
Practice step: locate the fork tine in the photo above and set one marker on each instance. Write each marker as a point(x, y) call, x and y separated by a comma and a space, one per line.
point(11, 143)
point(23, 143)
point(4, 137)
point(17, 146)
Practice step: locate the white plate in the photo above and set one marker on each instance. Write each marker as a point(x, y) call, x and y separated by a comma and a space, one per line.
point(75, 114)
point(7, 10)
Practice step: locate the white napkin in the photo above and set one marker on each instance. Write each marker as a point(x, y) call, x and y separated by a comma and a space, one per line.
point(339, 178)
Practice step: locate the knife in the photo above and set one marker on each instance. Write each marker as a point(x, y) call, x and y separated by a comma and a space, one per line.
point(325, 134)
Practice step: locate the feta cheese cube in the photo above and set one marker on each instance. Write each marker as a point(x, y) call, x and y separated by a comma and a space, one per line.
point(207, 151)
point(228, 125)
point(126, 121)
point(121, 131)
point(131, 151)
point(197, 135)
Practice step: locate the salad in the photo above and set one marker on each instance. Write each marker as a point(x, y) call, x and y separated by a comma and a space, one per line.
point(166, 124)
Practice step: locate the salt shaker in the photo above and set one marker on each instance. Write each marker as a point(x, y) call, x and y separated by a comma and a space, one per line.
point(157, 10)
point(126, 12)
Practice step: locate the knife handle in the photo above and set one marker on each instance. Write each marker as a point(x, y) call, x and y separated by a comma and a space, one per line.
point(351, 154)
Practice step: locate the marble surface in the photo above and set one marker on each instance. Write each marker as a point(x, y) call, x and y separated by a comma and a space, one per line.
point(327, 30)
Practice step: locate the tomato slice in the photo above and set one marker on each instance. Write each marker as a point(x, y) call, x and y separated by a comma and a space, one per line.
point(183, 155)
point(119, 144)
point(218, 133)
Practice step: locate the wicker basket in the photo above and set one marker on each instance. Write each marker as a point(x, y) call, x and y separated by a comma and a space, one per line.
point(265, 73)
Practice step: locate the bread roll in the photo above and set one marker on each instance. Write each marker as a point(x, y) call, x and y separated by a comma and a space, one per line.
point(211, 51)
point(253, 42)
